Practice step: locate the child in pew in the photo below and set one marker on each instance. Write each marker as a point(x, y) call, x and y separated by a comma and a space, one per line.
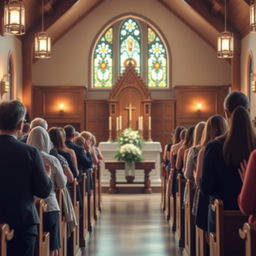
point(222, 157)
point(39, 138)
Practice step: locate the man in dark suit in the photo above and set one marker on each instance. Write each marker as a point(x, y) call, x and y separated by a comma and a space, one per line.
point(22, 176)
point(84, 159)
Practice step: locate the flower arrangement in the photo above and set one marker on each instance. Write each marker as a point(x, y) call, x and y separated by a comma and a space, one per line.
point(129, 136)
point(129, 153)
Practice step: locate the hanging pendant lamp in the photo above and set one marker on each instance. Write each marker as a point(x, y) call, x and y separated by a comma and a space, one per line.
point(225, 41)
point(14, 17)
point(42, 41)
point(253, 16)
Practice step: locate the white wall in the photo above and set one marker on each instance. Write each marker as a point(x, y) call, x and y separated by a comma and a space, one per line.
point(11, 45)
point(194, 62)
point(248, 47)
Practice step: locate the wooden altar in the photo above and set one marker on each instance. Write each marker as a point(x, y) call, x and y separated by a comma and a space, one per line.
point(130, 105)
point(147, 166)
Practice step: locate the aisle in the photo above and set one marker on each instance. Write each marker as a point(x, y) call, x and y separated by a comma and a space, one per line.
point(131, 225)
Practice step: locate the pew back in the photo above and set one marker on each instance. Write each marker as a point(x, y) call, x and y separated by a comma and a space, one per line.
point(226, 241)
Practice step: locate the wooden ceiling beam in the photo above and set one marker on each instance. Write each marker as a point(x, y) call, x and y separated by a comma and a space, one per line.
point(200, 6)
point(60, 7)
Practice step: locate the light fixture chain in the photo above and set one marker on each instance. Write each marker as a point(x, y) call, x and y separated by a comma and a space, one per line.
point(225, 15)
point(42, 15)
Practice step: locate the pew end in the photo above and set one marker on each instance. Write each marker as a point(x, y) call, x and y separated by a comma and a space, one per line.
point(180, 229)
point(43, 238)
point(189, 243)
point(248, 234)
point(5, 235)
point(225, 240)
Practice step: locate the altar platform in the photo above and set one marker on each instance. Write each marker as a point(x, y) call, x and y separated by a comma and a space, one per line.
point(151, 152)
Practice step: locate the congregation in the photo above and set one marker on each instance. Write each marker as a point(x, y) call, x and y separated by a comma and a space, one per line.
point(35, 163)
point(216, 160)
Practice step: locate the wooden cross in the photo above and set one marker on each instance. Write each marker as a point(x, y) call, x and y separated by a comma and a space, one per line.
point(130, 109)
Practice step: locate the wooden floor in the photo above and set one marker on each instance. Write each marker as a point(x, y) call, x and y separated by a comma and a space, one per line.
point(131, 225)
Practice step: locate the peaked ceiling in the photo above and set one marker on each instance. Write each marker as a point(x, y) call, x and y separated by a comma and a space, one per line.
point(205, 17)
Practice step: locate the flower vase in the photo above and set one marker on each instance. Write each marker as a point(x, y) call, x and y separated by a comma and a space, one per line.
point(130, 171)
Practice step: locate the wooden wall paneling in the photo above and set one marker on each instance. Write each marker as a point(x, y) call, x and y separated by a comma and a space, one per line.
point(96, 118)
point(46, 102)
point(188, 98)
point(163, 120)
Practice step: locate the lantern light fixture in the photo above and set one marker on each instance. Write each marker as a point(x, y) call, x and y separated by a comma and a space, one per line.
point(42, 41)
point(253, 16)
point(225, 42)
point(14, 17)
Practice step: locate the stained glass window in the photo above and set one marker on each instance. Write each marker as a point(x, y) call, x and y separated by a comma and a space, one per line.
point(157, 61)
point(103, 61)
point(130, 45)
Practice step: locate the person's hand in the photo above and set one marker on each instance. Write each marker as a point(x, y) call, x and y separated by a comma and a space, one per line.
point(242, 169)
point(48, 169)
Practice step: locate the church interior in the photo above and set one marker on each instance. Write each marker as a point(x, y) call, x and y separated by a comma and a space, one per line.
point(148, 65)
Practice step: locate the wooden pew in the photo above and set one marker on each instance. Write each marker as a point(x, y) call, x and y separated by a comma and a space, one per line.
point(163, 188)
point(43, 238)
point(75, 246)
point(63, 225)
point(167, 208)
point(5, 235)
point(200, 243)
point(99, 189)
point(172, 208)
point(226, 241)
point(83, 228)
point(90, 208)
point(95, 193)
point(180, 231)
point(248, 233)
point(189, 243)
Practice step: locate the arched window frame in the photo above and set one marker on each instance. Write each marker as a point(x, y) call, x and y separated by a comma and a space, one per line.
point(144, 24)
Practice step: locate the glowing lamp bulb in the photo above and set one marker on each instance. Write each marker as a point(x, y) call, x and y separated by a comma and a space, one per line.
point(61, 107)
point(199, 106)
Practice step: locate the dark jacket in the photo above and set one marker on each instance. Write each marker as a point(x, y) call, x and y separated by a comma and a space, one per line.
point(219, 180)
point(84, 159)
point(22, 176)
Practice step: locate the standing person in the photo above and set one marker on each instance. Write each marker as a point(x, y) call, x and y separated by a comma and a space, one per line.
point(84, 159)
point(222, 156)
point(22, 177)
point(39, 138)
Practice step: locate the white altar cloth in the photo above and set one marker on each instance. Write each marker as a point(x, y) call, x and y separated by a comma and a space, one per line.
point(150, 151)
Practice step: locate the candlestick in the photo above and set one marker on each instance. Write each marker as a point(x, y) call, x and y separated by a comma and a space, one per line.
point(117, 124)
point(149, 123)
point(110, 123)
point(141, 123)
point(120, 122)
